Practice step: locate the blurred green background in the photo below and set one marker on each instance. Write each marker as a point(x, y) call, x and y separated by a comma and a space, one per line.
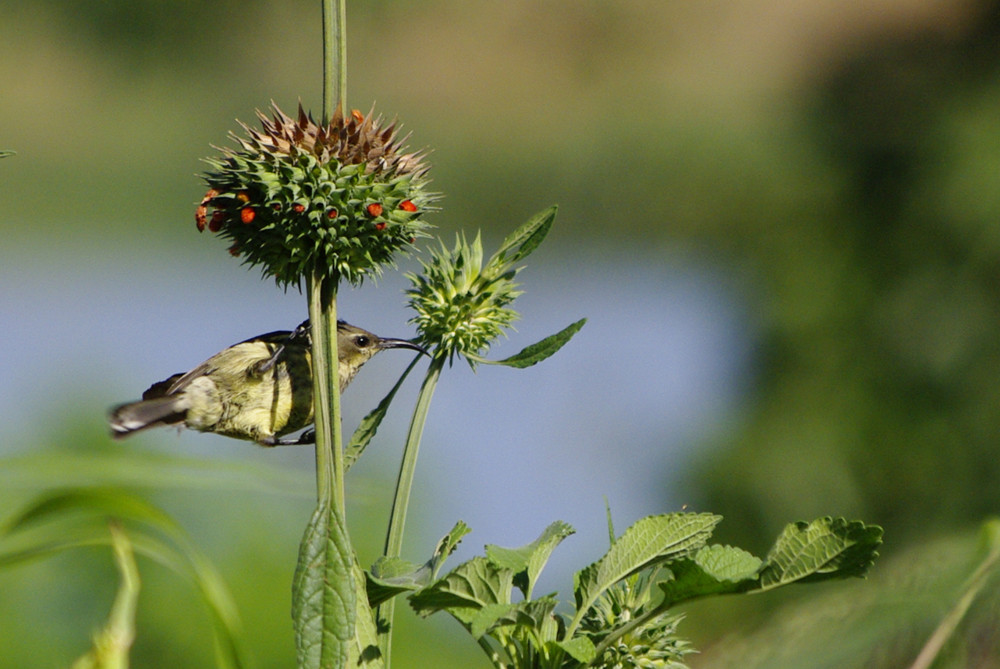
point(781, 219)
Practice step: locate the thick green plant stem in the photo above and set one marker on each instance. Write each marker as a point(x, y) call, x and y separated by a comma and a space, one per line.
point(334, 56)
point(326, 391)
point(400, 503)
point(323, 289)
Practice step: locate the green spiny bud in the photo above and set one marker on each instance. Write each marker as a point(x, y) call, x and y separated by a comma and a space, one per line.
point(461, 305)
point(298, 197)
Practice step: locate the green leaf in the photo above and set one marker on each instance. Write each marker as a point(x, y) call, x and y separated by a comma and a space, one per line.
point(392, 576)
point(650, 540)
point(370, 424)
point(527, 237)
point(78, 517)
point(534, 354)
point(527, 562)
point(713, 570)
point(113, 470)
point(824, 549)
point(447, 545)
point(464, 590)
point(213, 589)
point(104, 501)
point(486, 617)
point(112, 643)
point(365, 651)
point(611, 523)
point(323, 593)
point(580, 648)
point(532, 614)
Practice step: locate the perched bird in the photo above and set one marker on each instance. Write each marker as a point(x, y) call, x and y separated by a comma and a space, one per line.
point(259, 389)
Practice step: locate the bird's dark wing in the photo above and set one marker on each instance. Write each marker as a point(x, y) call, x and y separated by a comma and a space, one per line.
point(178, 382)
point(276, 337)
point(181, 381)
point(161, 388)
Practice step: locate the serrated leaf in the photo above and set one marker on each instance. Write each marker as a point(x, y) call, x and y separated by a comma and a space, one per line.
point(727, 563)
point(447, 545)
point(527, 237)
point(369, 424)
point(713, 570)
point(826, 548)
point(393, 576)
point(527, 561)
point(534, 354)
point(464, 590)
point(323, 593)
point(649, 541)
point(532, 614)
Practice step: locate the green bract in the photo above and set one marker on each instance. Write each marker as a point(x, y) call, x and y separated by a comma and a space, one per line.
point(298, 197)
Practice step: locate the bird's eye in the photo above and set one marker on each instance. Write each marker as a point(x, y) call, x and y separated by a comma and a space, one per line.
point(362, 341)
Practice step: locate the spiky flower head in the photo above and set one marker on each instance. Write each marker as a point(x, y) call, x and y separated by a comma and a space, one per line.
point(461, 304)
point(298, 197)
point(652, 645)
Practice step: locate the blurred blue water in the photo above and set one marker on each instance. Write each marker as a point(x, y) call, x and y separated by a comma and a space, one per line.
point(659, 366)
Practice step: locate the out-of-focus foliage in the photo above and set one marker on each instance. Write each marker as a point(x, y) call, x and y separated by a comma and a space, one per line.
point(238, 515)
point(879, 383)
point(884, 622)
point(843, 169)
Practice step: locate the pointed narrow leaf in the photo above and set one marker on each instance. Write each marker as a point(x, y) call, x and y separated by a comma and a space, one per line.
point(534, 354)
point(611, 523)
point(712, 570)
point(369, 424)
point(323, 606)
point(119, 470)
point(108, 502)
point(45, 529)
point(527, 237)
point(112, 643)
point(650, 540)
point(824, 549)
point(527, 561)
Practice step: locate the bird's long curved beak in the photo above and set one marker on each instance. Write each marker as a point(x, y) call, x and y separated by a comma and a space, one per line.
point(401, 343)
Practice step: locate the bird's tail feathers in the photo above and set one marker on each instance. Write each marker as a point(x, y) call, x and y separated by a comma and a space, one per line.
point(136, 416)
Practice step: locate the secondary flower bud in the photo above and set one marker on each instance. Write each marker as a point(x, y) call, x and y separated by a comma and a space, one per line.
point(461, 305)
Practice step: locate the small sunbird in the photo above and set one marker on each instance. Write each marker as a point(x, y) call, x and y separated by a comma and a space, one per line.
point(258, 390)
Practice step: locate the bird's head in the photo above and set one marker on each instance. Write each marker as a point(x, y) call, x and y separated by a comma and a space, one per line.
point(355, 347)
